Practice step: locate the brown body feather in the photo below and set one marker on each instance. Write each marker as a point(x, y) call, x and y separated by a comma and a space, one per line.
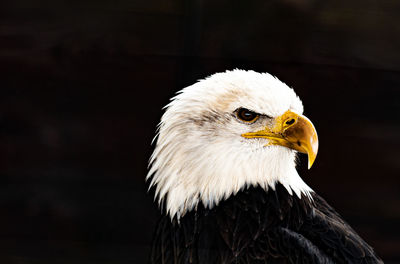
point(256, 226)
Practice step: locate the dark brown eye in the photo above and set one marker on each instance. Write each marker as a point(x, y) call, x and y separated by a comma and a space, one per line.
point(246, 115)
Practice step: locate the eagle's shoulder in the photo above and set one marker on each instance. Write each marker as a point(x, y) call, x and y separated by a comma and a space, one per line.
point(329, 232)
point(255, 226)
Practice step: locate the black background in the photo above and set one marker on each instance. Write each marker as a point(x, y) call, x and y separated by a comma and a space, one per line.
point(82, 84)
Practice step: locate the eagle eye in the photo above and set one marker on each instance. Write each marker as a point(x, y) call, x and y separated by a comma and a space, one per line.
point(246, 115)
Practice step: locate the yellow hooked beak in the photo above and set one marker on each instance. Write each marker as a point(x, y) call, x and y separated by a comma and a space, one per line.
point(292, 131)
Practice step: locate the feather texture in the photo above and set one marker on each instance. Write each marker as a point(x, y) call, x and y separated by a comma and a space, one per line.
point(258, 226)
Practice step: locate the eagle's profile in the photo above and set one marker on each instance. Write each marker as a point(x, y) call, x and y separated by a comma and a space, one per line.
point(224, 173)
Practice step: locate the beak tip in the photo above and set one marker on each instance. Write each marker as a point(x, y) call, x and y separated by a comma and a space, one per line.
point(311, 159)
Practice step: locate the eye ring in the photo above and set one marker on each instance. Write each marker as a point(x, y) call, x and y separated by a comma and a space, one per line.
point(247, 115)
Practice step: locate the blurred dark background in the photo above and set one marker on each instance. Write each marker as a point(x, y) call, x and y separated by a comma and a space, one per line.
point(82, 84)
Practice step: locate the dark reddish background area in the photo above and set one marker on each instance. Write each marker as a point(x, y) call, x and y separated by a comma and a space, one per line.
point(82, 84)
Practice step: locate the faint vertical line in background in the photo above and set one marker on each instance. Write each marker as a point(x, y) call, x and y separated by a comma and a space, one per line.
point(191, 28)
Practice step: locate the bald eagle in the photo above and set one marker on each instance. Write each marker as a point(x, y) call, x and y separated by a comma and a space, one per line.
point(224, 173)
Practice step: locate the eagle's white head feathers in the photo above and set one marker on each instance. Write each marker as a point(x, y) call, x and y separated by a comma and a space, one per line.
point(201, 155)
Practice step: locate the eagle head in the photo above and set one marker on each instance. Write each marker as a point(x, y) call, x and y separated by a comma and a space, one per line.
point(227, 132)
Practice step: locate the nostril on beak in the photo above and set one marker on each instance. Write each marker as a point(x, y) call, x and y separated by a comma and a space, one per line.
point(290, 121)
